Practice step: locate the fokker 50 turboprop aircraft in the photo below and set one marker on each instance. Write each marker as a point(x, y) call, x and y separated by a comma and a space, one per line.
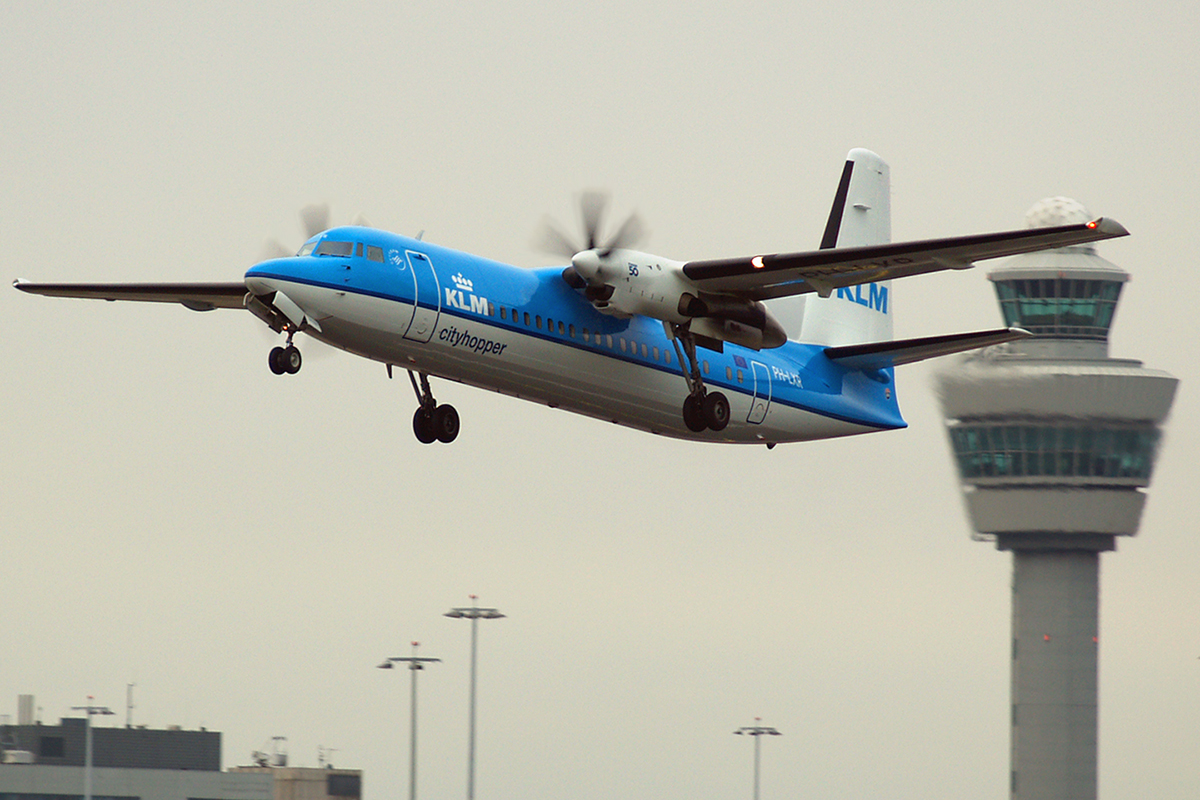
point(763, 349)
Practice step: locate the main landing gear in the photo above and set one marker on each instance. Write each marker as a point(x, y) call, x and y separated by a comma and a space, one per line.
point(701, 409)
point(285, 360)
point(432, 422)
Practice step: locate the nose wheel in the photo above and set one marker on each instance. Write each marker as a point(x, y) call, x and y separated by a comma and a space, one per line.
point(432, 422)
point(285, 360)
point(702, 410)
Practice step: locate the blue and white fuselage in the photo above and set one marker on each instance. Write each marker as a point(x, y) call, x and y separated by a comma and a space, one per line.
point(526, 333)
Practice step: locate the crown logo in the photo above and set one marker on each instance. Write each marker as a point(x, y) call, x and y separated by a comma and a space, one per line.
point(462, 283)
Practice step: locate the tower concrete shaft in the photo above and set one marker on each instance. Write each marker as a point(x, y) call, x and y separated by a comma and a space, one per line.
point(1055, 443)
point(1055, 605)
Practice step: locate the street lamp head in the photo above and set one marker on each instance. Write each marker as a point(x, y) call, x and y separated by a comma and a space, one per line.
point(473, 613)
point(757, 730)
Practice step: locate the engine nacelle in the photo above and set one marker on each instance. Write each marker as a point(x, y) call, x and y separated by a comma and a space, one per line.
point(731, 319)
point(626, 282)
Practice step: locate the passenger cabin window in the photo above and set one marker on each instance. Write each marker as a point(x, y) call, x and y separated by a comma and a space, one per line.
point(374, 253)
point(328, 248)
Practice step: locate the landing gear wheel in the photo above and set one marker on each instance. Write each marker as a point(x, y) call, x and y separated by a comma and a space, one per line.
point(716, 411)
point(693, 413)
point(445, 423)
point(291, 359)
point(275, 361)
point(423, 427)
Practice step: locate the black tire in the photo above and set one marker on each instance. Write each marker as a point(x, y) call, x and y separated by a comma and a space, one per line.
point(693, 414)
point(716, 411)
point(423, 427)
point(292, 359)
point(445, 423)
point(275, 360)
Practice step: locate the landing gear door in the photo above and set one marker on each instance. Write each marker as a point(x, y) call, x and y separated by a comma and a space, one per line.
point(427, 303)
point(762, 394)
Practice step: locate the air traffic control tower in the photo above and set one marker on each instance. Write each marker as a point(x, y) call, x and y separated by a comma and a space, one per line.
point(1055, 442)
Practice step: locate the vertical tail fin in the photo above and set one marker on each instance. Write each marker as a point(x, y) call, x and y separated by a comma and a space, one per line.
point(861, 215)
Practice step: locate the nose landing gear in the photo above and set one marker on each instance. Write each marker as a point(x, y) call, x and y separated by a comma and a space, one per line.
point(285, 360)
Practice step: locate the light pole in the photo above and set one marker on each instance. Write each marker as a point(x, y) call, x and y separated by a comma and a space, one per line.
point(91, 709)
point(414, 664)
point(474, 613)
point(757, 731)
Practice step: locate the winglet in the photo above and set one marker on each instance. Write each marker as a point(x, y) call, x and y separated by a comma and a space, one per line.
point(1108, 226)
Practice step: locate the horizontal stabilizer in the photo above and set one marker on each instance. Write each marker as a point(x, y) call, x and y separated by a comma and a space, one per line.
point(196, 296)
point(879, 355)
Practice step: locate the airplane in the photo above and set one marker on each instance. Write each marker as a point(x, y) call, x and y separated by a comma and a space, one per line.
point(762, 349)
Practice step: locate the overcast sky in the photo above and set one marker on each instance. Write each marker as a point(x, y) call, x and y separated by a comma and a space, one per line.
point(246, 548)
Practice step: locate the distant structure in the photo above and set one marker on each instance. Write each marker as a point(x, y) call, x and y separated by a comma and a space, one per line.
point(1055, 443)
point(46, 762)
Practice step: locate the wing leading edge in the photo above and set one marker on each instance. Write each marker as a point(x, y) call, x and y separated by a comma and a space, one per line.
point(783, 274)
point(196, 296)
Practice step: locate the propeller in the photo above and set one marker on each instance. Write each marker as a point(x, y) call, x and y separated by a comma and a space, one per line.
point(314, 219)
point(587, 262)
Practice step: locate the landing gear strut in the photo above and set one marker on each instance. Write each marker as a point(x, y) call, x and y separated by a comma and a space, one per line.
point(285, 360)
point(701, 409)
point(432, 422)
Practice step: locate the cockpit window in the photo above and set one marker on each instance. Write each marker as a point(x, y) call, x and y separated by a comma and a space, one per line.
point(307, 249)
point(328, 248)
point(375, 253)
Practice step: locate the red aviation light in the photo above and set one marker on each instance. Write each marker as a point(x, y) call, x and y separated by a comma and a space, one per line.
point(1092, 224)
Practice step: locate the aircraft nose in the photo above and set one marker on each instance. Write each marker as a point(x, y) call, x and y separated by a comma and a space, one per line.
point(258, 280)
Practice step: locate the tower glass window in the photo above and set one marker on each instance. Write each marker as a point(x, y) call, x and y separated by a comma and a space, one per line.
point(1059, 307)
point(1002, 450)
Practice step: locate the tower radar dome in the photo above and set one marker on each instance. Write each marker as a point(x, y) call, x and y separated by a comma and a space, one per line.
point(1056, 211)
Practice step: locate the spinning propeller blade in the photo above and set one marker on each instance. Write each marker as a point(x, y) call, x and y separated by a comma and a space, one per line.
point(592, 205)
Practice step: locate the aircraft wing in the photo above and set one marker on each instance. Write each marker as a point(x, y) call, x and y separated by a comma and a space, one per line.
point(196, 296)
point(821, 271)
